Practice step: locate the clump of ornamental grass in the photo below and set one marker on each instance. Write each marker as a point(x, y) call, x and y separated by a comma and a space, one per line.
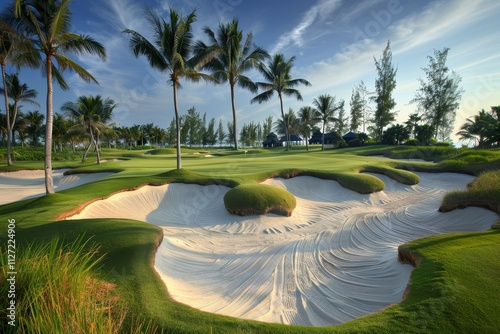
point(484, 191)
point(56, 291)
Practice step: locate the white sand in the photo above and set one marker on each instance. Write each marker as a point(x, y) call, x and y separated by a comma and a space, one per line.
point(16, 186)
point(333, 260)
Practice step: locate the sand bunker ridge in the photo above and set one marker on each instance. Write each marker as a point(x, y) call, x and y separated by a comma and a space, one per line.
point(333, 260)
point(24, 184)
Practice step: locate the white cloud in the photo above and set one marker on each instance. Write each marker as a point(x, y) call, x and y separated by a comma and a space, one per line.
point(320, 12)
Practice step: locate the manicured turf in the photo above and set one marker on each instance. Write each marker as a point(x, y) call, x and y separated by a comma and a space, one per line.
point(454, 289)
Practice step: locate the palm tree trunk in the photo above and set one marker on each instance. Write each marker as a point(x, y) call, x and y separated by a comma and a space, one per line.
point(323, 138)
point(283, 118)
point(86, 151)
point(7, 112)
point(307, 144)
point(98, 148)
point(177, 127)
point(91, 140)
point(49, 183)
point(235, 134)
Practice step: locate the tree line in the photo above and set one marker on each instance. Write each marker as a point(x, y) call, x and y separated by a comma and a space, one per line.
point(36, 34)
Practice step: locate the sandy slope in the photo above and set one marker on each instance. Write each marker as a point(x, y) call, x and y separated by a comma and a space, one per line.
point(333, 260)
point(15, 186)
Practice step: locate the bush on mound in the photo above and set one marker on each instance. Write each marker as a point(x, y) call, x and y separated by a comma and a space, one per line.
point(259, 199)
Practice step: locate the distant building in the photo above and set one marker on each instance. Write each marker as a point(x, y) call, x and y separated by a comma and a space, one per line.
point(294, 139)
point(271, 141)
point(331, 138)
point(349, 136)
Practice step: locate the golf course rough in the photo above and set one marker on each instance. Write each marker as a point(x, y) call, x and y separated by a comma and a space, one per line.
point(259, 199)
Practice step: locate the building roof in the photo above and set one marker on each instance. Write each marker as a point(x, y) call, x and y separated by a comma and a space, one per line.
point(349, 136)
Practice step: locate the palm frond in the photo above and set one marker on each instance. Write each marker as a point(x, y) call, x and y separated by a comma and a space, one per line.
point(292, 92)
point(79, 44)
point(141, 46)
point(65, 63)
point(247, 83)
point(263, 97)
point(60, 21)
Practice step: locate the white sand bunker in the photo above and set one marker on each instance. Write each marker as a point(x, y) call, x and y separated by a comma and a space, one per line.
point(333, 260)
point(16, 186)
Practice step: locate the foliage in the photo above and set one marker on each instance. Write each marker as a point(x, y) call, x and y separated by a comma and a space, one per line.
point(439, 96)
point(289, 125)
point(277, 74)
point(395, 135)
point(424, 134)
point(483, 129)
point(384, 86)
point(356, 110)
point(356, 142)
point(325, 108)
point(412, 142)
point(306, 122)
point(92, 115)
point(170, 52)
point(47, 24)
point(19, 93)
point(342, 123)
point(230, 57)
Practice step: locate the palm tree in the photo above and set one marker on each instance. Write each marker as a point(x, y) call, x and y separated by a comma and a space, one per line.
point(170, 52)
point(325, 112)
point(412, 123)
point(279, 80)
point(290, 123)
point(230, 57)
point(19, 93)
point(59, 131)
point(307, 116)
point(47, 23)
point(482, 127)
point(34, 127)
point(92, 114)
point(14, 49)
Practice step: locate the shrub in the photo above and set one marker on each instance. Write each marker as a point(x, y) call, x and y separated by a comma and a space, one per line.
point(371, 142)
point(356, 142)
point(412, 142)
point(443, 144)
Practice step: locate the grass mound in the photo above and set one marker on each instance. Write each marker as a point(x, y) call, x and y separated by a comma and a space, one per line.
point(259, 199)
point(447, 293)
point(484, 191)
point(400, 175)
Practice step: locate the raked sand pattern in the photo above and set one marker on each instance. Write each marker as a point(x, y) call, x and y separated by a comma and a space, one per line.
point(24, 184)
point(333, 260)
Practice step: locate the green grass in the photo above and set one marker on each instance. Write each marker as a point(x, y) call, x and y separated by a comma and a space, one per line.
point(441, 286)
point(259, 199)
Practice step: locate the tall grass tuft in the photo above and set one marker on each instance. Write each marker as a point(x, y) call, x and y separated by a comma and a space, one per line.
point(483, 191)
point(56, 291)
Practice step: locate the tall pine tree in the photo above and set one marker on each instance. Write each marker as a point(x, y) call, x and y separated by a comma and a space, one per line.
point(440, 95)
point(384, 86)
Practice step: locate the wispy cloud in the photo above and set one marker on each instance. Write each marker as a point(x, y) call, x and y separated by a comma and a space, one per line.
point(438, 20)
point(317, 13)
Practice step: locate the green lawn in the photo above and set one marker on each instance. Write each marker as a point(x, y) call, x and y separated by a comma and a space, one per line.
point(454, 289)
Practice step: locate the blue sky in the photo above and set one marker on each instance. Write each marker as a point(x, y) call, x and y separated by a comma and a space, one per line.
point(334, 42)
